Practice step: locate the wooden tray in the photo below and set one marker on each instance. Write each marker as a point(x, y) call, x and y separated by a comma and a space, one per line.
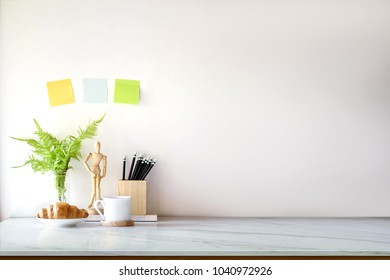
point(128, 223)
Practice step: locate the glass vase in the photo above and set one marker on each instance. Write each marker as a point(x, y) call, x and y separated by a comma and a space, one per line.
point(61, 186)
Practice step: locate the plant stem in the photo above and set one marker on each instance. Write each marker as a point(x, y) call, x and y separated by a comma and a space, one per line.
point(60, 178)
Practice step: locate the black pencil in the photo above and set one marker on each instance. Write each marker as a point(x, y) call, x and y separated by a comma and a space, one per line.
point(145, 168)
point(124, 168)
point(150, 168)
point(132, 165)
point(141, 169)
point(137, 167)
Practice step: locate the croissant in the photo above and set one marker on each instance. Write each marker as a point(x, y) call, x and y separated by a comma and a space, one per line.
point(62, 210)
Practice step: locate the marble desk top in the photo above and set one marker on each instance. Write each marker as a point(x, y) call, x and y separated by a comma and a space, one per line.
point(182, 236)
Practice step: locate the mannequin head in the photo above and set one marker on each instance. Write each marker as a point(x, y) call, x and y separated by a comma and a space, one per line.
point(97, 147)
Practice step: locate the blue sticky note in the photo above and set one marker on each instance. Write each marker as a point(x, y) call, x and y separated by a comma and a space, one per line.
point(95, 90)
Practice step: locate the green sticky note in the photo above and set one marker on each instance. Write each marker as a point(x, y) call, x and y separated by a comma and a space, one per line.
point(126, 91)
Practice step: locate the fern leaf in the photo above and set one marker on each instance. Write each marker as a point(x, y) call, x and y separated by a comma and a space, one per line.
point(32, 142)
point(46, 140)
point(39, 129)
point(91, 130)
point(27, 162)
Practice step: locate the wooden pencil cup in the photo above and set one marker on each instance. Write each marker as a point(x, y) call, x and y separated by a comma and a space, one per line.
point(137, 190)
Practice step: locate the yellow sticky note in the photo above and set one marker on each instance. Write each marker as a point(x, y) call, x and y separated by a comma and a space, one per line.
point(60, 92)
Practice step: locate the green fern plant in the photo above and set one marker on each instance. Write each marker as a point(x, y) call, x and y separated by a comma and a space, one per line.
point(50, 154)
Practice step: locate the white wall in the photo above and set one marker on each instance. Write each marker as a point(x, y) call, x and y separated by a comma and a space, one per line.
point(253, 108)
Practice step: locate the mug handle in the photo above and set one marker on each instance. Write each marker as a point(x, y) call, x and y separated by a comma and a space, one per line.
point(95, 204)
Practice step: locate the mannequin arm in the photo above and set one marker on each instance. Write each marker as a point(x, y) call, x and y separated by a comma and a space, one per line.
point(104, 166)
point(85, 162)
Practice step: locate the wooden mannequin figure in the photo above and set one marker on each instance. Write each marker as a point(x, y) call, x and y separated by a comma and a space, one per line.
point(96, 173)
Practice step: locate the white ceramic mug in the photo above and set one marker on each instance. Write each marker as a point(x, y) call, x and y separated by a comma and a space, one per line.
point(116, 208)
